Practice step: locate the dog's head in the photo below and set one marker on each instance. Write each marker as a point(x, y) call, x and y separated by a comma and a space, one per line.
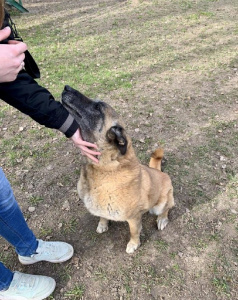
point(98, 121)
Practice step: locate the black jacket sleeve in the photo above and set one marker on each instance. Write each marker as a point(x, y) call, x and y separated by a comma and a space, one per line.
point(29, 97)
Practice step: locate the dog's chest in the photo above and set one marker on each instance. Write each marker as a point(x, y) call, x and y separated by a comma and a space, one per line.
point(101, 200)
point(105, 209)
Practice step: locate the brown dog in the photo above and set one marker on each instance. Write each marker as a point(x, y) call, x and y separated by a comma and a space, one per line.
point(118, 188)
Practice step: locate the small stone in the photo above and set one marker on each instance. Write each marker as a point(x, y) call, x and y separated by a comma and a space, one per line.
point(187, 210)
point(60, 225)
point(75, 261)
point(137, 130)
point(66, 205)
point(222, 158)
point(31, 209)
point(6, 248)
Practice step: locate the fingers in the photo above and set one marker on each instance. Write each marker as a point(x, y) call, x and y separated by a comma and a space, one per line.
point(78, 141)
point(21, 67)
point(13, 42)
point(83, 145)
point(93, 158)
point(87, 144)
point(4, 33)
point(21, 57)
point(88, 151)
point(20, 48)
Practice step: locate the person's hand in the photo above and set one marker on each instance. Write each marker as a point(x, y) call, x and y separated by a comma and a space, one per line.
point(11, 57)
point(78, 142)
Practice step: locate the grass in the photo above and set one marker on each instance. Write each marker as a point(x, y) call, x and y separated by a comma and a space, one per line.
point(161, 245)
point(65, 276)
point(76, 293)
point(3, 109)
point(18, 148)
point(69, 226)
point(221, 285)
point(94, 73)
point(223, 275)
point(201, 245)
point(44, 231)
point(35, 200)
point(100, 274)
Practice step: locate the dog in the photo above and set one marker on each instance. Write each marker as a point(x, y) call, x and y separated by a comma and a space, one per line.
point(117, 188)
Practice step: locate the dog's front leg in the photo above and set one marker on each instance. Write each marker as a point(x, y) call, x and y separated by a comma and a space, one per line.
point(135, 229)
point(102, 225)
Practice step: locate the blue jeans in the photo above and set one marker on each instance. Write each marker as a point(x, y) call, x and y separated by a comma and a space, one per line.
point(13, 228)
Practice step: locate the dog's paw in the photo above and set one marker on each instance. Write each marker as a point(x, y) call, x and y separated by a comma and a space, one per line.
point(161, 223)
point(102, 228)
point(131, 247)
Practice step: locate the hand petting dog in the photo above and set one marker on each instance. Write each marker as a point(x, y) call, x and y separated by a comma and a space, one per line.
point(84, 146)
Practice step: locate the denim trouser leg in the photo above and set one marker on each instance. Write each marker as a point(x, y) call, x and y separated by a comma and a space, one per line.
point(5, 277)
point(13, 226)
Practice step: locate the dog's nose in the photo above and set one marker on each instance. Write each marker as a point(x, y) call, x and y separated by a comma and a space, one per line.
point(67, 88)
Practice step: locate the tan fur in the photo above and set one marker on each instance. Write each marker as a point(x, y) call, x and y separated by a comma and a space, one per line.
point(156, 158)
point(119, 188)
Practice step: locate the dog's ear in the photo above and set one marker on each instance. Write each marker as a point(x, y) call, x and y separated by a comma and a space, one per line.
point(116, 135)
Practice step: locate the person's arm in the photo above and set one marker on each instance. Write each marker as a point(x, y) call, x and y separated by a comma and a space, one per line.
point(26, 95)
point(30, 98)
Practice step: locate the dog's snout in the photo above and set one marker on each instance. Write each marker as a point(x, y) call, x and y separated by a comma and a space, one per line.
point(67, 88)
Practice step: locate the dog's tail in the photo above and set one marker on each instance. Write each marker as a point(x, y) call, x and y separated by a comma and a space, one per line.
point(156, 158)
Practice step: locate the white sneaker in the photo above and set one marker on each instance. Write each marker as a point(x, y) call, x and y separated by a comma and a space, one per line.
point(28, 287)
point(55, 252)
